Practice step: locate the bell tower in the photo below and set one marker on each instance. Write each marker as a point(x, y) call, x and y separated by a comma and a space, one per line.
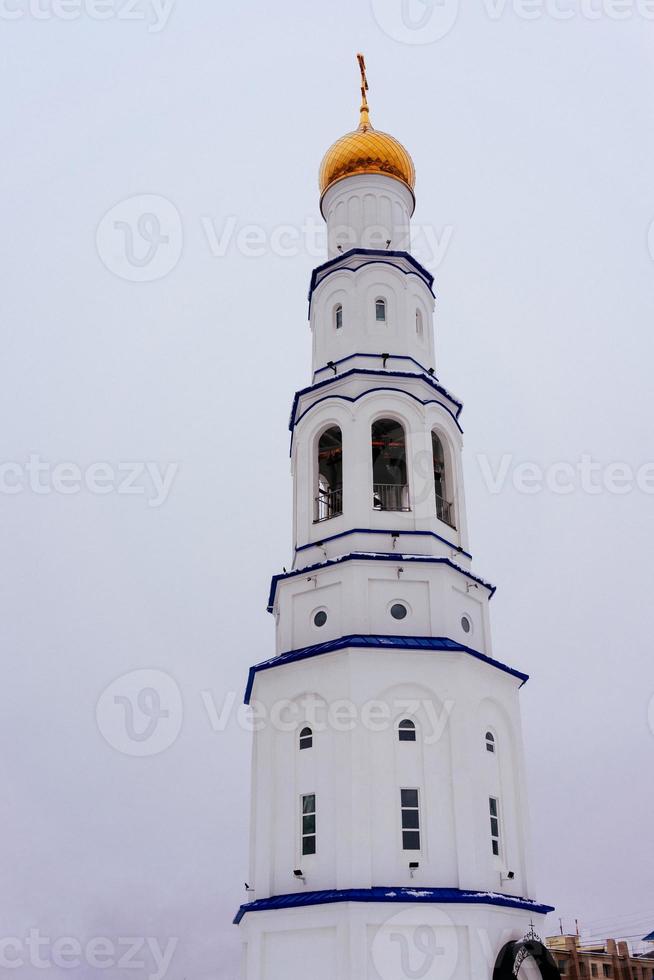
point(389, 821)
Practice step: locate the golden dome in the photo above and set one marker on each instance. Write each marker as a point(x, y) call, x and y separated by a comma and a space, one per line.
point(366, 151)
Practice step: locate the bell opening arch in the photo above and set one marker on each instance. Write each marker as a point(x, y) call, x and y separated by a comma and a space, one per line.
point(390, 481)
point(444, 488)
point(328, 474)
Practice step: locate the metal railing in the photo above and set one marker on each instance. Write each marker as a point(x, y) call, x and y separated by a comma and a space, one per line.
point(328, 504)
point(445, 511)
point(390, 496)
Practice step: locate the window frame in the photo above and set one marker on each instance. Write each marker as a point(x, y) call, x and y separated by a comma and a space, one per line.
point(338, 316)
point(407, 730)
point(490, 742)
point(397, 605)
point(495, 826)
point(306, 736)
point(305, 815)
point(408, 831)
point(380, 303)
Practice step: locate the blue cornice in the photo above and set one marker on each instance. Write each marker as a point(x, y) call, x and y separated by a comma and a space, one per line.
point(372, 530)
point(360, 641)
point(407, 896)
point(379, 357)
point(377, 255)
point(293, 421)
point(371, 373)
point(365, 556)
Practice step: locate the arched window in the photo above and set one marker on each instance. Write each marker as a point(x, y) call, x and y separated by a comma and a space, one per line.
point(328, 501)
point(444, 505)
point(419, 327)
point(490, 742)
point(389, 473)
point(338, 316)
point(406, 730)
point(380, 310)
point(306, 738)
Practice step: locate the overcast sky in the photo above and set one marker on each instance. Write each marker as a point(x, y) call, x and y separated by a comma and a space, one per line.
point(533, 141)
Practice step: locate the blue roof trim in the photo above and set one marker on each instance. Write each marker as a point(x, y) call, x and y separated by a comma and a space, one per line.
point(370, 373)
point(412, 896)
point(372, 530)
point(351, 400)
point(330, 263)
point(337, 263)
point(389, 357)
point(365, 556)
point(649, 938)
point(366, 642)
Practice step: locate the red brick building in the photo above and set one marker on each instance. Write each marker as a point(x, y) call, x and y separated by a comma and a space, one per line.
point(577, 960)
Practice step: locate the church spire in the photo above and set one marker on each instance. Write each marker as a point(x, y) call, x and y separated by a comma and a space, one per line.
point(364, 120)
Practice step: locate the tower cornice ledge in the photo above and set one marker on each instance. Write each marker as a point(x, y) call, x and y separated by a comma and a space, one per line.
point(375, 358)
point(305, 399)
point(412, 896)
point(375, 556)
point(357, 258)
point(385, 642)
point(383, 533)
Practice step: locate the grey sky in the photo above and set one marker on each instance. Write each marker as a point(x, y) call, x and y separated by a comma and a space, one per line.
point(533, 142)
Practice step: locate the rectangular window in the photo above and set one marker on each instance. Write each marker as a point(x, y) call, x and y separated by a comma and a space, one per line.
point(606, 969)
point(309, 824)
point(410, 819)
point(494, 807)
point(562, 966)
point(593, 970)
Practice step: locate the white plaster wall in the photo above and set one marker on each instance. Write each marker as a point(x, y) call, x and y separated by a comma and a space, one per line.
point(356, 596)
point(365, 210)
point(379, 941)
point(357, 290)
point(357, 767)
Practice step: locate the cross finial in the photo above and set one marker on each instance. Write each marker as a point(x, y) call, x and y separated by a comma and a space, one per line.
point(364, 122)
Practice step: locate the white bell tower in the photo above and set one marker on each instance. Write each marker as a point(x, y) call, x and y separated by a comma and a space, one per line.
point(389, 822)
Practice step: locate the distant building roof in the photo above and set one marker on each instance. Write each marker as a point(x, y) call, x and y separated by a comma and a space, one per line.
point(649, 938)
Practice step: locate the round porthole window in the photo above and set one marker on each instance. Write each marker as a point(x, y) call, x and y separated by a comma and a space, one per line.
point(399, 610)
point(466, 625)
point(320, 618)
